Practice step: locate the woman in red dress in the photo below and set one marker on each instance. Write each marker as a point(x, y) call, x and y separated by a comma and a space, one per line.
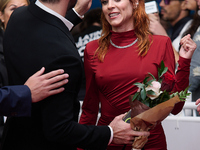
point(125, 54)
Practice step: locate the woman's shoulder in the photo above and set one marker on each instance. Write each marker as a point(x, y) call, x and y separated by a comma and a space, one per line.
point(161, 38)
point(93, 43)
point(160, 44)
point(92, 46)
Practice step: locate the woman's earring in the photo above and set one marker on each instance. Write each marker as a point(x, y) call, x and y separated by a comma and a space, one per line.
point(136, 5)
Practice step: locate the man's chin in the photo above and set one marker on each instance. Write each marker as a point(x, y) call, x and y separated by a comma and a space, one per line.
point(164, 17)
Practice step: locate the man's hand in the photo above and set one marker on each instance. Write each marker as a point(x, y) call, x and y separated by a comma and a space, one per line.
point(82, 6)
point(122, 132)
point(188, 47)
point(155, 26)
point(42, 86)
point(198, 107)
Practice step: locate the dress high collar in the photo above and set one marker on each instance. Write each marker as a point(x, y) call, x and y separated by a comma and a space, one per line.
point(123, 38)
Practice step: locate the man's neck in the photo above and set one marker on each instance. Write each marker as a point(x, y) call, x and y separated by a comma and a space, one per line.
point(59, 7)
point(183, 14)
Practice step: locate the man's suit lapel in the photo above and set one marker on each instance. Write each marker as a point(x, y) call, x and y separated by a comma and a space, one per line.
point(50, 19)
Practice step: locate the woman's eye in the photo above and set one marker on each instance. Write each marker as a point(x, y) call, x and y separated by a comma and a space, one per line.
point(104, 2)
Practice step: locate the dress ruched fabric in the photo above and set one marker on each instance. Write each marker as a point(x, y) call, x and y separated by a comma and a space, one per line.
point(111, 82)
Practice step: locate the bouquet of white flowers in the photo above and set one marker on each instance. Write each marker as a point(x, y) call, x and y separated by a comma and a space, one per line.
point(152, 103)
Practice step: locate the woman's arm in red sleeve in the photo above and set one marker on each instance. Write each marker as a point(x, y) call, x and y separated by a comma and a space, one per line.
point(187, 49)
point(182, 77)
point(90, 106)
point(182, 74)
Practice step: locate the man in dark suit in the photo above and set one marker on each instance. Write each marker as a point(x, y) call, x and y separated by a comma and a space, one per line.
point(38, 35)
point(3, 71)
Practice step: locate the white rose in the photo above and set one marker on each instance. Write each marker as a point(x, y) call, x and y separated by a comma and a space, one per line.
point(154, 87)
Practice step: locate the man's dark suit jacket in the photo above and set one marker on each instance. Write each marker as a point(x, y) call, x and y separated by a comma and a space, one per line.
point(3, 71)
point(15, 101)
point(35, 38)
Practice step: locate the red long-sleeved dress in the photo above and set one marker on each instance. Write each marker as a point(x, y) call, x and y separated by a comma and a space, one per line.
point(111, 81)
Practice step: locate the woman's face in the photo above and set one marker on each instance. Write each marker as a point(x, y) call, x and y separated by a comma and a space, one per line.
point(191, 4)
point(10, 7)
point(119, 14)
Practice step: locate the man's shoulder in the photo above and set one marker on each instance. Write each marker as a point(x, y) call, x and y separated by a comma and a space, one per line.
point(17, 17)
point(20, 11)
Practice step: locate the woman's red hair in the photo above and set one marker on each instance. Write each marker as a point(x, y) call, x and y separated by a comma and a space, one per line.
point(141, 28)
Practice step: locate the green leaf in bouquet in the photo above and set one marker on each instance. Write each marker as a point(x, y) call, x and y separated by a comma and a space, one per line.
point(181, 93)
point(146, 102)
point(151, 92)
point(135, 96)
point(184, 94)
point(139, 85)
point(162, 70)
point(186, 90)
point(139, 97)
point(182, 98)
point(145, 80)
point(143, 93)
point(173, 94)
point(152, 76)
point(162, 65)
point(152, 103)
point(165, 96)
point(149, 82)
